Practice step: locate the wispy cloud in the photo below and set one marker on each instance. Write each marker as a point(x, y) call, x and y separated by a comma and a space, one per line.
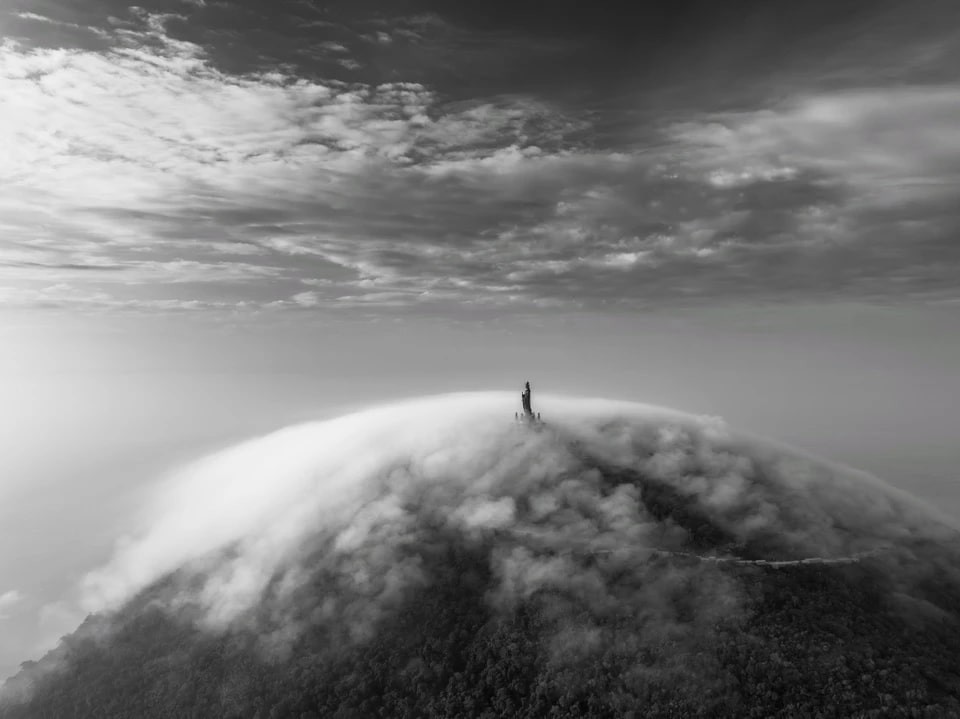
point(150, 170)
point(149, 149)
point(857, 189)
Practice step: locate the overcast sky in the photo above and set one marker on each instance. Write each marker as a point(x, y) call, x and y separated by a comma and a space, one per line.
point(220, 217)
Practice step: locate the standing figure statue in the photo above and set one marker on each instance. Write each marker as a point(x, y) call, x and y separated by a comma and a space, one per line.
point(525, 399)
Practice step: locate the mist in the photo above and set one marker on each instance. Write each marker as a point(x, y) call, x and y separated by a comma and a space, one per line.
point(366, 494)
point(636, 534)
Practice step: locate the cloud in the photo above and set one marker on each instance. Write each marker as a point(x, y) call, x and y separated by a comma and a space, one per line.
point(306, 299)
point(856, 189)
point(154, 155)
point(867, 139)
point(79, 299)
point(594, 483)
point(33, 16)
point(37, 18)
point(616, 522)
point(147, 148)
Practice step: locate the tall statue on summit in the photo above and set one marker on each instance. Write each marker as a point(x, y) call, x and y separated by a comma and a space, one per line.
point(525, 398)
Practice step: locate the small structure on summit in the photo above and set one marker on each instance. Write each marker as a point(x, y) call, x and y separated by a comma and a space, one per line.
point(526, 400)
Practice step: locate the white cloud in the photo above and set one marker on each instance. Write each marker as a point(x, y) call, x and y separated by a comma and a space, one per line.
point(85, 298)
point(79, 267)
point(123, 151)
point(362, 481)
point(887, 143)
point(147, 164)
point(332, 46)
point(749, 175)
point(33, 16)
point(306, 299)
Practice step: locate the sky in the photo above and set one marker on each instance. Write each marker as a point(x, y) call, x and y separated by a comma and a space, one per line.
point(220, 218)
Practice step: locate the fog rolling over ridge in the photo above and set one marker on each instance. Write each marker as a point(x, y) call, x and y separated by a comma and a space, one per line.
point(435, 558)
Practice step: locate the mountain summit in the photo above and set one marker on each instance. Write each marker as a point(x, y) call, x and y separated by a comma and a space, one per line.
point(437, 559)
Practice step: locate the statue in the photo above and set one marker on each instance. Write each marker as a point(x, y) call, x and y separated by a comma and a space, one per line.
point(528, 416)
point(525, 399)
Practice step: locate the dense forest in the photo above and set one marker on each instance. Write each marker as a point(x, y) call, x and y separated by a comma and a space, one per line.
point(724, 640)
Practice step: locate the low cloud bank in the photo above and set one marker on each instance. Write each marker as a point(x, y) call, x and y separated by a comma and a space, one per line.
point(369, 484)
point(589, 508)
point(617, 538)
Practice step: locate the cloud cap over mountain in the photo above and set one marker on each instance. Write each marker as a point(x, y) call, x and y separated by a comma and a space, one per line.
point(613, 527)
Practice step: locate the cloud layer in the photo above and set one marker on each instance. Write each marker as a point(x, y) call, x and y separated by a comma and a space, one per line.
point(152, 167)
point(605, 489)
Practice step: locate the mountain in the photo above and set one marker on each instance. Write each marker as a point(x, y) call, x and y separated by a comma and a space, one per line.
point(438, 559)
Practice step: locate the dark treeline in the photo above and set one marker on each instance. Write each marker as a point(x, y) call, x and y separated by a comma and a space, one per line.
point(818, 642)
point(668, 637)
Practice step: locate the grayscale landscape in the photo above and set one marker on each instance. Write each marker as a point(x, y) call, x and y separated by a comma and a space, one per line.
point(445, 359)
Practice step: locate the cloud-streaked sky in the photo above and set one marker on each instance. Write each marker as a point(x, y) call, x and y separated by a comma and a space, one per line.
point(248, 157)
point(221, 217)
